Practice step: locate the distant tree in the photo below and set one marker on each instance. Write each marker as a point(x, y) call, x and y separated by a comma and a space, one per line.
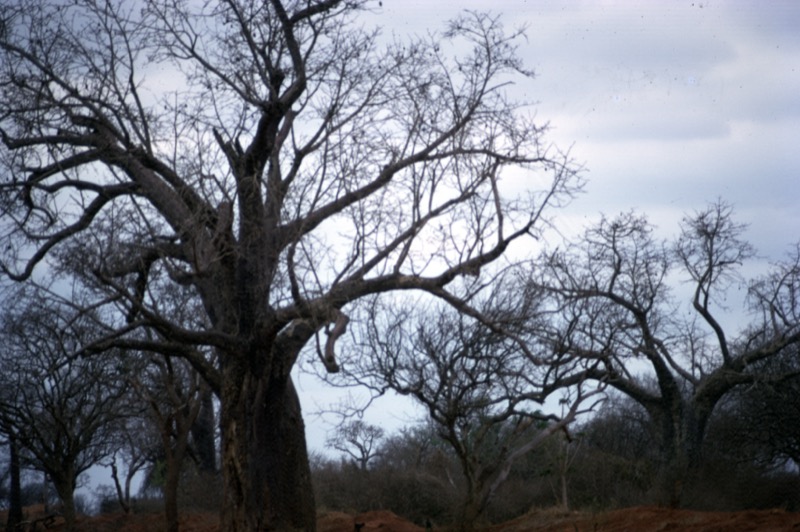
point(59, 408)
point(482, 389)
point(412, 475)
point(297, 166)
point(562, 453)
point(174, 394)
point(618, 310)
point(411, 448)
point(772, 414)
point(358, 440)
point(38, 489)
point(135, 449)
point(621, 429)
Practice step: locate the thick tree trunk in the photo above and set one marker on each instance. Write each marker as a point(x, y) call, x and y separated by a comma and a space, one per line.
point(66, 492)
point(174, 428)
point(683, 429)
point(471, 511)
point(475, 502)
point(291, 498)
point(171, 481)
point(469, 514)
point(266, 476)
point(15, 489)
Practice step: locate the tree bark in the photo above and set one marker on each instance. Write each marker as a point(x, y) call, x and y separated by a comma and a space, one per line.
point(266, 476)
point(563, 480)
point(171, 481)
point(66, 492)
point(15, 489)
point(292, 503)
point(479, 489)
point(123, 497)
point(470, 512)
point(683, 428)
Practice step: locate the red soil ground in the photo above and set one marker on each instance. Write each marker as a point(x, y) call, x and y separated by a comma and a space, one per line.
point(640, 519)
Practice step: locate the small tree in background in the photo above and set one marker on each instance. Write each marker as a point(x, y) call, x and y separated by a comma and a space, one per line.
point(769, 413)
point(616, 462)
point(358, 440)
point(135, 449)
point(760, 422)
point(61, 409)
point(413, 474)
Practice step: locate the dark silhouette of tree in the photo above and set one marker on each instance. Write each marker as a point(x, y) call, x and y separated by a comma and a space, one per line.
point(358, 440)
point(135, 449)
point(618, 310)
point(15, 514)
point(274, 161)
point(60, 409)
point(173, 393)
point(762, 421)
point(413, 474)
point(616, 461)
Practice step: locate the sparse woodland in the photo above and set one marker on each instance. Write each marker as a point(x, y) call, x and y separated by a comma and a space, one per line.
point(303, 191)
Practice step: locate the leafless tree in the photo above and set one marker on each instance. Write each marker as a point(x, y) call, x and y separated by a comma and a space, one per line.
point(60, 409)
point(172, 418)
point(482, 386)
point(562, 453)
point(617, 458)
point(357, 439)
point(618, 310)
point(276, 161)
point(174, 395)
point(135, 449)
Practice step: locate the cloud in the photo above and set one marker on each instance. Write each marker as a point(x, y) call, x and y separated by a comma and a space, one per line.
point(669, 71)
point(670, 105)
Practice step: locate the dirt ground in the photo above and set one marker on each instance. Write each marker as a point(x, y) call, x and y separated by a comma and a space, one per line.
point(640, 519)
point(652, 519)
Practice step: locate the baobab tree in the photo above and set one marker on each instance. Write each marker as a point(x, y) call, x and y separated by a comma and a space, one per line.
point(277, 163)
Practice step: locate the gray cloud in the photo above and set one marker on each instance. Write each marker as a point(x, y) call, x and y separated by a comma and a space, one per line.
point(670, 104)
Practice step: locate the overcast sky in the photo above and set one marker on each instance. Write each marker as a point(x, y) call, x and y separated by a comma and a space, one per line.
point(670, 105)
